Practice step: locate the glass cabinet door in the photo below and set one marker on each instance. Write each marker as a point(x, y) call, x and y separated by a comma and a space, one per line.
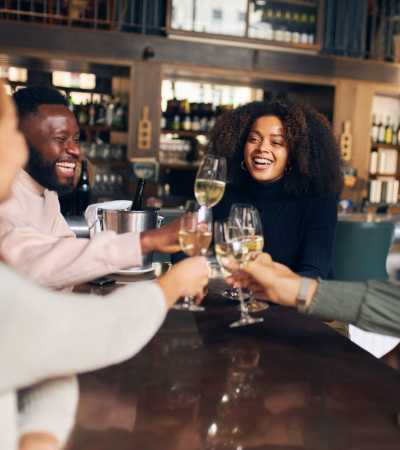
point(210, 16)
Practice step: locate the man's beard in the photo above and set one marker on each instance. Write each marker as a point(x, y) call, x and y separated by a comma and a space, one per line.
point(44, 172)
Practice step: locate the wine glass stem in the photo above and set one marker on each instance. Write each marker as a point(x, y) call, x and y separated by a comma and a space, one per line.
point(243, 308)
point(187, 301)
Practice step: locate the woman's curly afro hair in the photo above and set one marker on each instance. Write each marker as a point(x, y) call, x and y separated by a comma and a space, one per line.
point(314, 159)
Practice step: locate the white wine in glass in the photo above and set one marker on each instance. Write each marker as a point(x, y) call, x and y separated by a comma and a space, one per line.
point(209, 186)
point(231, 252)
point(248, 219)
point(253, 243)
point(195, 242)
point(208, 192)
point(195, 237)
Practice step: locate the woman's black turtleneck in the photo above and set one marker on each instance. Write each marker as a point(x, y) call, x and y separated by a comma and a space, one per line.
point(299, 231)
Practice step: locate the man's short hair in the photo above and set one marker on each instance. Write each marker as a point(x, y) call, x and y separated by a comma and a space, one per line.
point(28, 100)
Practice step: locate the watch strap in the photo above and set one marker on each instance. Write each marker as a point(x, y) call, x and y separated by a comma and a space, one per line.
point(301, 299)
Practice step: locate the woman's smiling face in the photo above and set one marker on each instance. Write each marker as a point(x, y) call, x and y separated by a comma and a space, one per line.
point(266, 152)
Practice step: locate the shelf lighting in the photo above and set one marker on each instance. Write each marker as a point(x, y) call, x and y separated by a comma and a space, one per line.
point(74, 80)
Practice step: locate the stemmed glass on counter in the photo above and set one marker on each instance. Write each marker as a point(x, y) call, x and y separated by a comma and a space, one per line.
point(195, 237)
point(248, 220)
point(210, 181)
point(232, 249)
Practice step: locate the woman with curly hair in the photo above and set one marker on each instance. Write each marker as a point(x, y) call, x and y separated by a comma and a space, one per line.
point(283, 159)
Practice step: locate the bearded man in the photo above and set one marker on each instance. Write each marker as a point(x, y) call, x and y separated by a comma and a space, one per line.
point(34, 237)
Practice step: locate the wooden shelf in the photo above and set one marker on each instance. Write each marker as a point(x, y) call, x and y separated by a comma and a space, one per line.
point(180, 165)
point(387, 146)
point(185, 133)
point(100, 128)
point(109, 162)
point(308, 3)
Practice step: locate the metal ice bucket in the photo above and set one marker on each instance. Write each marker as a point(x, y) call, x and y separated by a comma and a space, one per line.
point(122, 221)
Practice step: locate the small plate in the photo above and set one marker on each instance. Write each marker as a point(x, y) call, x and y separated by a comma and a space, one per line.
point(134, 270)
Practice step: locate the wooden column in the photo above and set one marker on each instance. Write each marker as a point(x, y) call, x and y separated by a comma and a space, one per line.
point(145, 90)
point(353, 101)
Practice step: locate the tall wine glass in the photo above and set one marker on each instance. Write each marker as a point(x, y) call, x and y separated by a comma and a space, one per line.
point(209, 186)
point(248, 219)
point(195, 237)
point(231, 252)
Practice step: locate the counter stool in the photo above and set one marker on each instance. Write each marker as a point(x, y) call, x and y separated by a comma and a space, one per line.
point(360, 253)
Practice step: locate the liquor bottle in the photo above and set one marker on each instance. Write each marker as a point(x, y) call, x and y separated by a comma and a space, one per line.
point(398, 133)
point(296, 28)
point(394, 137)
point(101, 112)
point(381, 132)
point(71, 105)
point(83, 116)
point(137, 204)
point(303, 26)
point(374, 130)
point(92, 114)
point(311, 30)
point(388, 132)
point(82, 190)
point(110, 112)
point(118, 119)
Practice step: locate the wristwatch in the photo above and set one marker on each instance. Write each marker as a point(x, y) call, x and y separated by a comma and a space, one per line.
point(301, 299)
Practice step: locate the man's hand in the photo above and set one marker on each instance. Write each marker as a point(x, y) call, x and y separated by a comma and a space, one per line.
point(188, 277)
point(38, 441)
point(164, 239)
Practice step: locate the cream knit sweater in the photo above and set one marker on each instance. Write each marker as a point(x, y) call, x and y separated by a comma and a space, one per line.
point(47, 337)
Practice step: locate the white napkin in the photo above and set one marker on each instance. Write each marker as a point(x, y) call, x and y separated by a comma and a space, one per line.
point(374, 343)
point(91, 212)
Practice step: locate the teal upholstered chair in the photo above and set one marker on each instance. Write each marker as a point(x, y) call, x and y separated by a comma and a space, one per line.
point(361, 249)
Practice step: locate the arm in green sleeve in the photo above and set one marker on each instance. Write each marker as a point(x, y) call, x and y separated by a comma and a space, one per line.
point(372, 305)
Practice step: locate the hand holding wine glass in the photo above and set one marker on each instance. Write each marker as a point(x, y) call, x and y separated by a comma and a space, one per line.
point(195, 236)
point(231, 253)
point(248, 219)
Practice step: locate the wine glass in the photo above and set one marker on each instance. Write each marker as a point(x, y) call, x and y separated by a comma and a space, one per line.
point(248, 219)
point(236, 213)
point(209, 186)
point(231, 252)
point(195, 237)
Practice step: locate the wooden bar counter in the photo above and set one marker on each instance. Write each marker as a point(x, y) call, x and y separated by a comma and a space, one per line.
point(288, 383)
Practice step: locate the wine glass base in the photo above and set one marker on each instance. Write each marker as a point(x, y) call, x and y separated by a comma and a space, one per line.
point(233, 294)
point(190, 307)
point(244, 321)
point(254, 306)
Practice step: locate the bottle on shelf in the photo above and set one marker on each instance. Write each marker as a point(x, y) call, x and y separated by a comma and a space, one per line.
point(101, 112)
point(83, 116)
point(398, 133)
point(381, 132)
point(110, 112)
point(374, 130)
point(373, 162)
point(82, 190)
point(394, 135)
point(137, 204)
point(388, 132)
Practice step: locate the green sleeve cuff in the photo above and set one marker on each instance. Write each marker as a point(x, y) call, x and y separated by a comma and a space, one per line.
point(338, 300)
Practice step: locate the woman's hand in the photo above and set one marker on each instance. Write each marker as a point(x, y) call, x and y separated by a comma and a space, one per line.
point(188, 277)
point(13, 149)
point(38, 441)
point(274, 281)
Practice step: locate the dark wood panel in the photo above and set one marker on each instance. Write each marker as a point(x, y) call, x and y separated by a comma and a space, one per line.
point(53, 42)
